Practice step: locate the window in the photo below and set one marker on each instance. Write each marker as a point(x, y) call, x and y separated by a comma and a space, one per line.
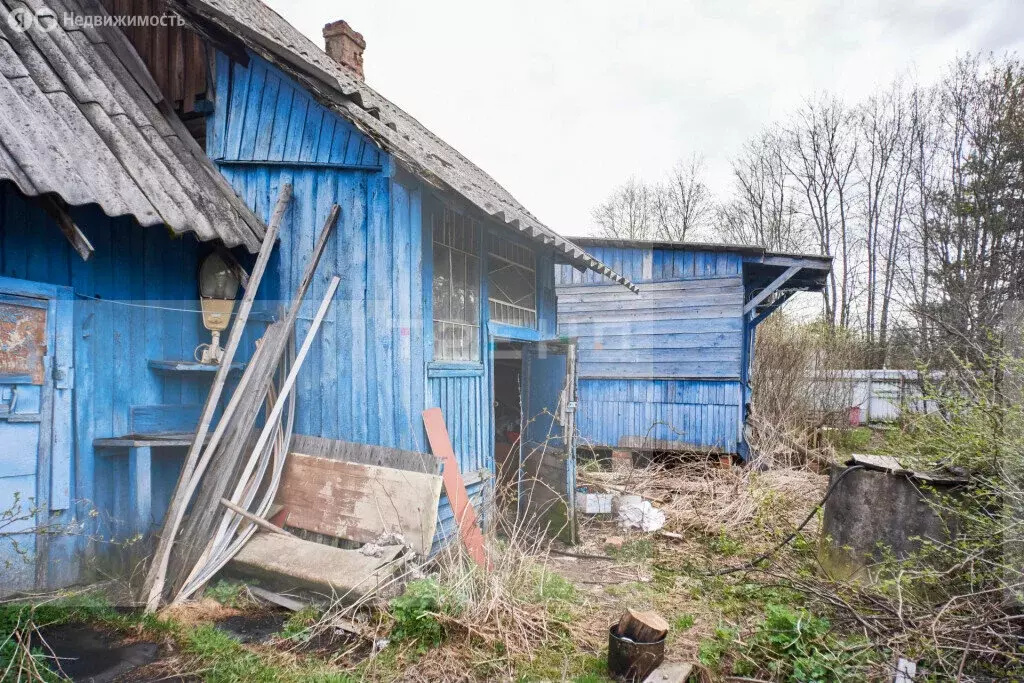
point(512, 283)
point(456, 287)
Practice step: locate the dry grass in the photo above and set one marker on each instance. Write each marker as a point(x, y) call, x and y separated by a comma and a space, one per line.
point(706, 498)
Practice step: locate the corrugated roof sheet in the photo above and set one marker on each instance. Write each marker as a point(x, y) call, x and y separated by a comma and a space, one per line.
point(81, 118)
point(420, 151)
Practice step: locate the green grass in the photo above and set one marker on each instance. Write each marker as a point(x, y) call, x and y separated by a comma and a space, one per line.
point(854, 440)
point(788, 644)
point(684, 622)
point(222, 659)
point(637, 550)
point(228, 593)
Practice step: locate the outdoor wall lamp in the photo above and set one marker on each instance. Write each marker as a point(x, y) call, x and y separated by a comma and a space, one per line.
point(218, 285)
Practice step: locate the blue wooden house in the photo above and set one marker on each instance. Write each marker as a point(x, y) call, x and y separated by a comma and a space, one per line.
point(126, 158)
point(668, 368)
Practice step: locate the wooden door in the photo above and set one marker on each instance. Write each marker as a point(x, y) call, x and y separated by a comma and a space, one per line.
point(33, 488)
point(548, 441)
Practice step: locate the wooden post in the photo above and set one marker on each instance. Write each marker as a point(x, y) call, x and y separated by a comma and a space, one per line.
point(140, 488)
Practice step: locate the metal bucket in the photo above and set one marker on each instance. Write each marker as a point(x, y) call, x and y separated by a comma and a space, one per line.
point(629, 661)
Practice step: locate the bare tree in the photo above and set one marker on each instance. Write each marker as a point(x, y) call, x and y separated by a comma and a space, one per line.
point(628, 213)
point(683, 204)
point(883, 167)
point(975, 243)
point(821, 149)
point(762, 209)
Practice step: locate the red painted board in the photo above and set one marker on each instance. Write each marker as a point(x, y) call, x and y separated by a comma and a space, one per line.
point(454, 486)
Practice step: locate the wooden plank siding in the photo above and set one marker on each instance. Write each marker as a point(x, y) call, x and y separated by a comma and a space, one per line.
point(371, 372)
point(136, 300)
point(364, 379)
point(665, 365)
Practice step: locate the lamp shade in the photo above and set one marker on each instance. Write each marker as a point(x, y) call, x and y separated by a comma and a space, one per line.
point(217, 280)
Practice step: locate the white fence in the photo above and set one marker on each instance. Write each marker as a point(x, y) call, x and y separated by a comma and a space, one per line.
point(882, 395)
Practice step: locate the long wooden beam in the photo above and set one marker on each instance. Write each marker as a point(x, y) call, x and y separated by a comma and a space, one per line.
point(213, 474)
point(771, 308)
point(152, 588)
point(770, 289)
point(79, 242)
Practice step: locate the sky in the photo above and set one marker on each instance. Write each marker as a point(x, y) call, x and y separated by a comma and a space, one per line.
point(563, 101)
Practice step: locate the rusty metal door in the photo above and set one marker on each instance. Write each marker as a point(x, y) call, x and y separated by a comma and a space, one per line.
point(26, 340)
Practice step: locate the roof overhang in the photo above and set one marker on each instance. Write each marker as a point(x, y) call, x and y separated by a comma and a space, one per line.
point(415, 148)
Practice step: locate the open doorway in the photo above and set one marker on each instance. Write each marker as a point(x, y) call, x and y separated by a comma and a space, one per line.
point(534, 410)
point(508, 412)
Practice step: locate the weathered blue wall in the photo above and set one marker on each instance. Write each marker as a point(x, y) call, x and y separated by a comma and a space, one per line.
point(364, 378)
point(371, 371)
point(137, 274)
point(664, 365)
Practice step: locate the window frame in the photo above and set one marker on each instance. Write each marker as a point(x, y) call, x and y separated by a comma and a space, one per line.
point(491, 256)
point(443, 218)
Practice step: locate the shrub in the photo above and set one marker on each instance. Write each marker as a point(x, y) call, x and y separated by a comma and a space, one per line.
point(416, 613)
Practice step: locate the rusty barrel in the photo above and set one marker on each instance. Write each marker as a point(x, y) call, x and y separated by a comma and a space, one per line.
point(630, 661)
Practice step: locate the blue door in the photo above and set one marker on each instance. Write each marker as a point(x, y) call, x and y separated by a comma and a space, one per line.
point(34, 488)
point(548, 442)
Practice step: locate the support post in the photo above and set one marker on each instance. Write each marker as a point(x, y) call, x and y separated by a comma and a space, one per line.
point(770, 289)
point(140, 488)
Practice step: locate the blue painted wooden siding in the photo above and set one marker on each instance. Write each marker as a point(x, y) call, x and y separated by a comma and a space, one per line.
point(653, 265)
point(136, 273)
point(364, 379)
point(700, 413)
point(666, 364)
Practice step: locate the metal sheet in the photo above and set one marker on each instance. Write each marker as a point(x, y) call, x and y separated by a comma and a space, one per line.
point(22, 341)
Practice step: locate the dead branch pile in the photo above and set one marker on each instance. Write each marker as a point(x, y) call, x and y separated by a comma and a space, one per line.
point(704, 497)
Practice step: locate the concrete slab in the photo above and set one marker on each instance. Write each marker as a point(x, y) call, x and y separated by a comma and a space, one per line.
point(287, 563)
point(670, 672)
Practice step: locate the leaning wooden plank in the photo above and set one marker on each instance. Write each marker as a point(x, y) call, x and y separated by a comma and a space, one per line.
point(204, 515)
point(360, 502)
point(153, 586)
point(366, 454)
point(286, 563)
point(196, 537)
point(258, 521)
point(454, 486)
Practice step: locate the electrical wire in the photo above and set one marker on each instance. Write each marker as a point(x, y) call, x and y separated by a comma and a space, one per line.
point(752, 564)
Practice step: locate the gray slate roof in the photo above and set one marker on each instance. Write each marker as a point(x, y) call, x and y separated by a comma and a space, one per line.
point(416, 148)
point(81, 118)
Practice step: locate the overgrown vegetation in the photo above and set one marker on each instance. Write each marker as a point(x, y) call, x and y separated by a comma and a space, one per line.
point(791, 645)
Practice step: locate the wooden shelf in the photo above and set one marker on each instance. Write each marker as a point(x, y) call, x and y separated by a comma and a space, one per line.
point(189, 366)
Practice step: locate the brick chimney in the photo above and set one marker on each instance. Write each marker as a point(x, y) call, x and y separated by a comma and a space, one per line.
point(345, 45)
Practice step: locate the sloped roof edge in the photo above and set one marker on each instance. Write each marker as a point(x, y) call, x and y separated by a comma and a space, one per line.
point(414, 147)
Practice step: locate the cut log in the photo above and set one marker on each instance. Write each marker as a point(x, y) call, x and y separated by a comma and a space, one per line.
point(642, 627)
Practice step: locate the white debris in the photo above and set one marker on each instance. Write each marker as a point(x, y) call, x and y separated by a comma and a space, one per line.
point(594, 503)
point(640, 515)
point(377, 546)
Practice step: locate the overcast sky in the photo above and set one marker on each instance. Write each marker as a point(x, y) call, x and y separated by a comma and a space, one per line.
point(562, 101)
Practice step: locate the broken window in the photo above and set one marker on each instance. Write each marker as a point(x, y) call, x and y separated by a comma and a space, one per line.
point(512, 283)
point(456, 287)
